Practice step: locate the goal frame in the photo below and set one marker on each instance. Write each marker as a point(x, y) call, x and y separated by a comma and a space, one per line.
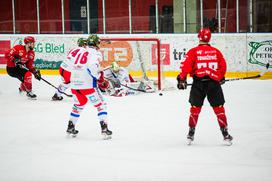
point(158, 42)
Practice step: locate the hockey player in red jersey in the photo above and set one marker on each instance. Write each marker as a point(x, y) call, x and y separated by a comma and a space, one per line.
point(20, 64)
point(207, 66)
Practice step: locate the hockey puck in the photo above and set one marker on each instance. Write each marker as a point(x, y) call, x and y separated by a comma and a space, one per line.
point(160, 94)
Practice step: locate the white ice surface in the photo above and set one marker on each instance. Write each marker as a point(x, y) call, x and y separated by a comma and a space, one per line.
point(149, 137)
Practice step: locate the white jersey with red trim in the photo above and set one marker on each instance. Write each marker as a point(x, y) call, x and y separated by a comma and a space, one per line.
point(86, 68)
point(68, 63)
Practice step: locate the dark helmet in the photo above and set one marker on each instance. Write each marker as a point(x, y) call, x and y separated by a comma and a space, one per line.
point(81, 42)
point(29, 39)
point(204, 34)
point(93, 40)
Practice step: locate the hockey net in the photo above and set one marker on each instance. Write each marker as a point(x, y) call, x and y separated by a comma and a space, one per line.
point(143, 58)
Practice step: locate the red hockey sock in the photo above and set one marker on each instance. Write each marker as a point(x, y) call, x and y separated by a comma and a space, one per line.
point(194, 116)
point(221, 116)
point(27, 84)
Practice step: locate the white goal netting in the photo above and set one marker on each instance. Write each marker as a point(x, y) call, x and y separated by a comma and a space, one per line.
point(140, 57)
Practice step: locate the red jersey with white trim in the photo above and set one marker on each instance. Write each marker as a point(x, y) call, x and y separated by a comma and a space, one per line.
point(204, 60)
point(19, 51)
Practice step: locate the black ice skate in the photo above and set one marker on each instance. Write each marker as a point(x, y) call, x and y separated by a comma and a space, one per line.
point(105, 131)
point(227, 137)
point(190, 136)
point(30, 95)
point(20, 91)
point(71, 129)
point(56, 97)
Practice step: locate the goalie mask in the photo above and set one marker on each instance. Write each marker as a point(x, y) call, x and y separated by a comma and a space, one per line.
point(204, 35)
point(93, 40)
point(115, 67)
point(82, 42)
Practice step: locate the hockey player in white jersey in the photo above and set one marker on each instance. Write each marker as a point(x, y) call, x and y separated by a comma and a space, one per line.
point(119, 78)
point(85, 75)
point(65, 70)
point(122, 83)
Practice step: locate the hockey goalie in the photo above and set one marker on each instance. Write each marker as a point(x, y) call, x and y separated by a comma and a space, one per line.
point(121, 83)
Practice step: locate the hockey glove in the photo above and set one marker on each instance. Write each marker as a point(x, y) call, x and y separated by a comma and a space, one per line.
point(37, 74)
point(222, 81)
point(182, 84)
point(102, 82)
point(18, 62)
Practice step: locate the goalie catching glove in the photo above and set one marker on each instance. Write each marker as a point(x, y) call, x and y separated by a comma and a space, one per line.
point(102, 82)
point(182, 84)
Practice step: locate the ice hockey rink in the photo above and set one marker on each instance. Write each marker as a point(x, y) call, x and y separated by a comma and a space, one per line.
point(149, 137)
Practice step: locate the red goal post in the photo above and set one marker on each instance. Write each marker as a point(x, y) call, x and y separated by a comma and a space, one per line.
point(158, 53)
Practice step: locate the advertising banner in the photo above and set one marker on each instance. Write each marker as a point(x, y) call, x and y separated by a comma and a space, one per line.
point(243, 52)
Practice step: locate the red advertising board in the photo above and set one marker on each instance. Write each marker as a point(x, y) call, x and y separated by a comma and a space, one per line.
point(165, 54)
point(4, 46)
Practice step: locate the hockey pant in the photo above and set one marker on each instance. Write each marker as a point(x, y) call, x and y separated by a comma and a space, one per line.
point(219, 112)
point(26, 85)
point(23, 75)
point(65, 76)
point(81, 97)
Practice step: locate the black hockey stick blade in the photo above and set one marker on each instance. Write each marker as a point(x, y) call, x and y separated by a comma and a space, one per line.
point(251, 77)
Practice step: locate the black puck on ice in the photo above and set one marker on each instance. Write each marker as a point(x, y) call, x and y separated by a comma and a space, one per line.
point(160, 94)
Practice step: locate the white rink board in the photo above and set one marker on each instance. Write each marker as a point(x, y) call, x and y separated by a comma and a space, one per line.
point(235, 48)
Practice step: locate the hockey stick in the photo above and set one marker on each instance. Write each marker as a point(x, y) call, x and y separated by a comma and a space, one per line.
point(131, 88)
point(68, 95)
point(249, 77)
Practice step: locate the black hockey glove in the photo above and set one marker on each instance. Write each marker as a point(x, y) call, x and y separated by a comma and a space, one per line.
point(18, 62)
point(222, 81)
point(182, 84)
point(37, 74)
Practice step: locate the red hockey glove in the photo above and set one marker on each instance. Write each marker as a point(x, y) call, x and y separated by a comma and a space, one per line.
point(102, 82)
point(182, 84)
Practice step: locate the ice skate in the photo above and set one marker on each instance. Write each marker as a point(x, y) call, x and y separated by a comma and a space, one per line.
point(56, 97)
point(106, 133)
point(71, 129)
point(20, 91)
point(227, 137)
point(31, 95)
point(190, 136)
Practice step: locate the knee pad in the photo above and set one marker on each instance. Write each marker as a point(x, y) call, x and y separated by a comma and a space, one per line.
point(195, 110)
point(219, 110)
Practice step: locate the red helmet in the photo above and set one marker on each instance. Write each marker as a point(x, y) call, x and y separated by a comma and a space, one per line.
point(204, 34)
point(29, 39)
